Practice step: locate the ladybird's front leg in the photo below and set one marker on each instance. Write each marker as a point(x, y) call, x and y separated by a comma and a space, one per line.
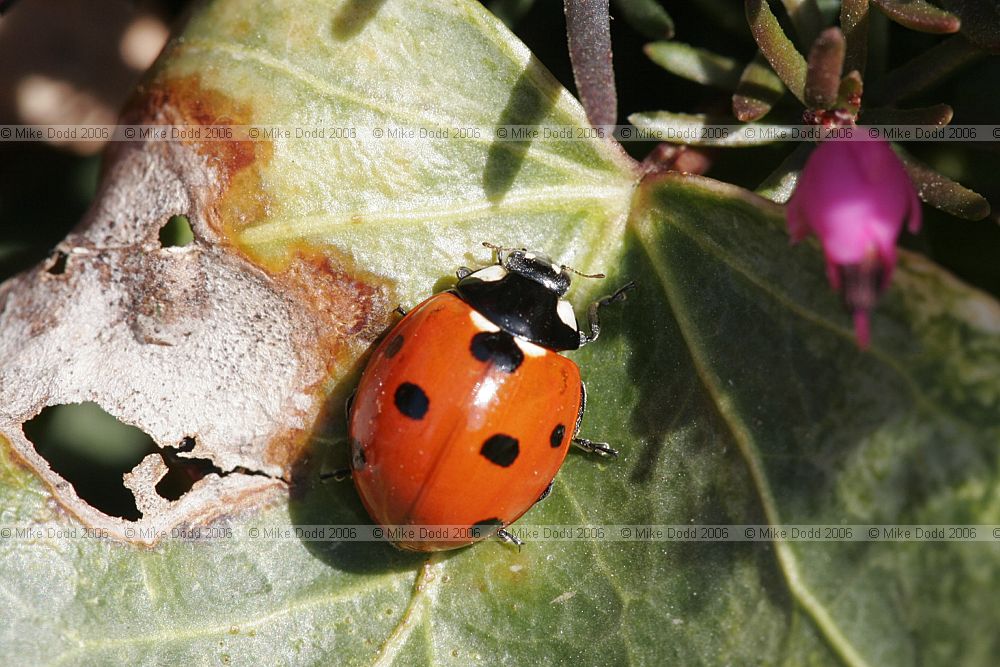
point(594, 318)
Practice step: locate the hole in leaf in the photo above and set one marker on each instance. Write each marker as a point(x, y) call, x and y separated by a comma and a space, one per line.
point(177, 233)
point(91, 450)
point(183, 472)
point(57, 266)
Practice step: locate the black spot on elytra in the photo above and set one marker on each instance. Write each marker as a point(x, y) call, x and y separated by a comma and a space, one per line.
point(498, 348)
point(394, 346)
point(411, 400)
point(557, 435)
point(500, 449)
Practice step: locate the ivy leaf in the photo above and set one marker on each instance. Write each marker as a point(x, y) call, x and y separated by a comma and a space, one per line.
point(729, 380)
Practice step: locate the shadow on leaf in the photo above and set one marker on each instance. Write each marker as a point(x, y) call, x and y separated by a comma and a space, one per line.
point(526, 106)
point(353, 17)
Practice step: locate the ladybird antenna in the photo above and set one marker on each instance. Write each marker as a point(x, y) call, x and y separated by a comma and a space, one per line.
point(497, 249)
point(580, 273)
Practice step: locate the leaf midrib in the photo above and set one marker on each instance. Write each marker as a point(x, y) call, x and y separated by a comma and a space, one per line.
point(327, 90)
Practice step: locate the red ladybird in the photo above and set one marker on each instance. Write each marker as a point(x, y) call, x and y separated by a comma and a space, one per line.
point(466, 409)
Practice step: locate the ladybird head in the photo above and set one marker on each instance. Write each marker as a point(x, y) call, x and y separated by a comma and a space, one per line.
point(539, 268)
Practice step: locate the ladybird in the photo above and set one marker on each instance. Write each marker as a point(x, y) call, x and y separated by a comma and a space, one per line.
point(466, 408)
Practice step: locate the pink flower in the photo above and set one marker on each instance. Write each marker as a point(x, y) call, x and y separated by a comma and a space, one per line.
point(855, 196)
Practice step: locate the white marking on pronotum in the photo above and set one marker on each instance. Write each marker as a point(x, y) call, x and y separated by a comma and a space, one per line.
point(490, 273)
point(565, 311)
point(481, 323)
point(529, 348)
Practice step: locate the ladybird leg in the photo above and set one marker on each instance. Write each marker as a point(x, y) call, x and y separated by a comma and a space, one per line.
point(340, 474)
point(349, 403)
point(504, 536)
point(594, 318)
point(592, 447)
point(400, 310)
point(583, 408)
point(602, 448)
point(546, 492)
point(463, 271)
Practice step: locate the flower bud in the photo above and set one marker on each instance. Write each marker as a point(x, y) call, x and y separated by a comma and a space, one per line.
point(856, 197)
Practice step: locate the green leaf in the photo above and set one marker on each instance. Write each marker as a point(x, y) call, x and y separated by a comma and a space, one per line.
point(648, 17)
point(780, 183)
point(776, 47)
point(758, 90)
point(694, 64)
point(694, 129)
point(730, 380)
point(854, 23)
point(943, 193)
point(919, 15)
point(850, 92)
point(408, 186)
point(939, 114)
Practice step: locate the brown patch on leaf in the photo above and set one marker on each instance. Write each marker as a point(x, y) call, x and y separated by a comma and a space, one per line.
point(352, 308)
point(239, 197)
point(204, 341)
